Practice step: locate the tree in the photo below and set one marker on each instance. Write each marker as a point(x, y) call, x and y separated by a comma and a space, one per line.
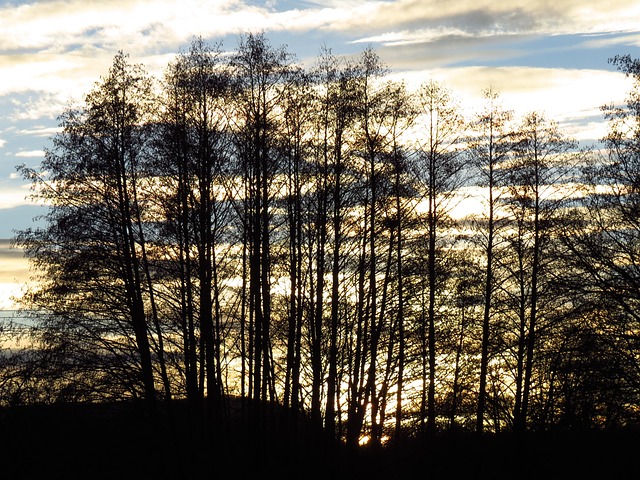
point(369, 144)
point(94, 285)
point(298, 120)
point(602, 239)
point(440, 172)
point(490, 148)
point(193, 150)
point(382, 115)
point(290, 236)
point(395, 209)
point(336, 82)
point(538, 172)
point(260, 75)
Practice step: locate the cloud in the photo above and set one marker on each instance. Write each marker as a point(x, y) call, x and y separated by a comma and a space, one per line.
point(422, 35)
point(12, 197)
point(601, 41)
point(39, 105)
point(30, 153)
point(57, 49)
point(63, 46)
point(14, 273)
point(497, 17)
point(572, 97)
point(48, 72)
point(142, 25)
point(40, 131)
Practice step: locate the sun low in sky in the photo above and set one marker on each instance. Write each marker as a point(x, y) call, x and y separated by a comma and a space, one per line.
point(548, 56)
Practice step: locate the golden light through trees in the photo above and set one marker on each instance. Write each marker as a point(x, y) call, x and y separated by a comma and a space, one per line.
point(331, 241)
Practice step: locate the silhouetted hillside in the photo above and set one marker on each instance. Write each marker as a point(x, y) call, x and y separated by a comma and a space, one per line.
point(117, 441)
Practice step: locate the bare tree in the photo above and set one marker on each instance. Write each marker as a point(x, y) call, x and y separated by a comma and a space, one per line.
point(440, 170)
point(261, 75)
point(91, 254)
point(490, 148)
point(537, 174)
point(602, 238)
point(194, 147)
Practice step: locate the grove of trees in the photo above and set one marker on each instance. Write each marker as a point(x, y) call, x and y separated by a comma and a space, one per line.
point(245, 232)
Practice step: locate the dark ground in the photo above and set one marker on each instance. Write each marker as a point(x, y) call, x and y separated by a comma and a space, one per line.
point(110, 442)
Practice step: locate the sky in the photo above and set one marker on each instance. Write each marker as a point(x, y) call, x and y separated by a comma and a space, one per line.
point(550, 56)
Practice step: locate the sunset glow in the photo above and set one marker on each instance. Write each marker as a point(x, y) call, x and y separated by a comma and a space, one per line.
point(361, 237)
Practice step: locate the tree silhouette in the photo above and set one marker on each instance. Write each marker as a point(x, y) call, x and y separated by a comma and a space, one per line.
point(602, 240)
point(440, 169)
point(541, 162)
point(490, 148)
point(94, 288)
point(279, 247)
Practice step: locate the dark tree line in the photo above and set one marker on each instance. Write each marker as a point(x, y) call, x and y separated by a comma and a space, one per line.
point(247, 228)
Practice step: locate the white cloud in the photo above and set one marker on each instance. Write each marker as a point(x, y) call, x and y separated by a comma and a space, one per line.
point(596, 41)
point(14, 273)
point(39, 131)
point(12, 197)
point(12, 289)
point(145, 25)
point(571, 97)
point(30, 153)
point(63, 46)
point(407, 37)
point(39, 105)
point(503, 16)
point(140, 24)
